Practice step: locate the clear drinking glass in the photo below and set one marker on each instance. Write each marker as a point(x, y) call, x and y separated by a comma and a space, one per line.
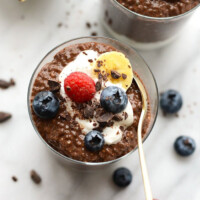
point(139, 31)
point(139, 66)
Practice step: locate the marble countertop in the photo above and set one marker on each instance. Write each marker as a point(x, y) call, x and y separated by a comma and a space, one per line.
point(27, 32)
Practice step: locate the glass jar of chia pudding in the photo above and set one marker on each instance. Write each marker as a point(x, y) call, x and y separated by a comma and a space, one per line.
point(146, 24)
point(67, 121)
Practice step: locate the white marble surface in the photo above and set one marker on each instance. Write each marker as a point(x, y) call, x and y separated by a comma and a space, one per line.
point(27, 32)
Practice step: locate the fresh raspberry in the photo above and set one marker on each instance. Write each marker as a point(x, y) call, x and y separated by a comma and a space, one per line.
point(79, 87)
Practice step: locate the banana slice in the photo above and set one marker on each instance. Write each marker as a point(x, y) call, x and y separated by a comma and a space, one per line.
point(116, 66)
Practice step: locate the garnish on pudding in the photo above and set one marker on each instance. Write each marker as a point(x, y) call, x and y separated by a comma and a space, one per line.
point(99, 103)
point(79, 87)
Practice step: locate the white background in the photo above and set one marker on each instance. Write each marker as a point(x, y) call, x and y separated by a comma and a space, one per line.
point(27, 32)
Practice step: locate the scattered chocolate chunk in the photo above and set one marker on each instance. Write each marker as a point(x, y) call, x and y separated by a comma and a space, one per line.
point(94, 34)
point(98, 86)
point(90, 60)
point(85, 53)
point(59, 25)
point(35, 177)
point(88, 24)
point(97, 70)
point(115, 74)
point(14, 178)
point(126, 115)
point(117, 118)
point(105, 118)
point(54, 86)
point(124, 76)
point(88, 112)
point(6, 84)
point(4, 116)
point(12, 82)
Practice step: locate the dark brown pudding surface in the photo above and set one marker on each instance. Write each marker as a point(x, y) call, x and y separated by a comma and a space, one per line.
point(159, 8)
point(63, 133)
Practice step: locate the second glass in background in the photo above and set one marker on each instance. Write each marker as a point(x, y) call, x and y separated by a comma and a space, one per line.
point(139, 31)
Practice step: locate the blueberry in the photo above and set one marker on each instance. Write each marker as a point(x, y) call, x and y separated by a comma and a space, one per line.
point(94, 141)
point(46, 105)
point(113, 99)
point(184, 145)
point(171, 101)
point(122, 177)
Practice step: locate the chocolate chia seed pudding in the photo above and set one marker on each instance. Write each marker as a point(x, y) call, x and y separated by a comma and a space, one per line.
point(71, 120)
point(159, 8)
point(147, 24)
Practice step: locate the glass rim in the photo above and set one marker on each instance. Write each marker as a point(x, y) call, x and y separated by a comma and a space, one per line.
point(156, 18)
point(68, 158)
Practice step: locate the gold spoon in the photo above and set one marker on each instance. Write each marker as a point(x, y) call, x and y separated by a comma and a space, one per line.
point(147, 187)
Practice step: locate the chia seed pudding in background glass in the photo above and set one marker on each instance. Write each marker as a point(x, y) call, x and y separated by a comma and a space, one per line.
point(146, 24)
point(55, 133)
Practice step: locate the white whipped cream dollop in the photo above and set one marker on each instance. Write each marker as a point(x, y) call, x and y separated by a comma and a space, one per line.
point(113, 134)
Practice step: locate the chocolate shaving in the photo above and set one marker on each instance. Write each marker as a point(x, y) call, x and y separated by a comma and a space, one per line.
point(90, 60)
point(121, 128)
point(126, 115)
point(117, 118)
point(115, 74)
point(99, 128)
point(98, 86)
point(124, 76)
point(99, 111)
point(105, 77)
point(100, 76)
point(58, 95)
point(99, 63)
point(109, 124)
point(4, 116)
point(88, 112)
point(54, 86)
point(65, 115)
point(35, 177)
point(97, 70)
point(105, 118)
point(85, 53)
point(6, 84)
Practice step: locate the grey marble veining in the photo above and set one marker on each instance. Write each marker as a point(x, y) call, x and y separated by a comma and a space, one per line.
point(27, 32)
